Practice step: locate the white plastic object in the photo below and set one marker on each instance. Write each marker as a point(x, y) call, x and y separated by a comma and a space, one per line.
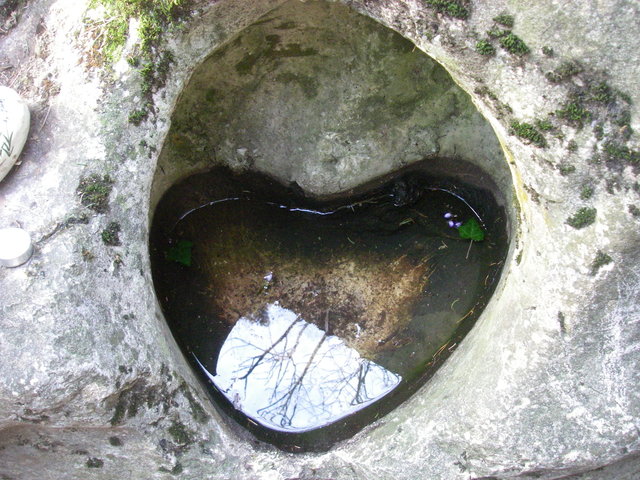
point(15, 247)
point(14, 128)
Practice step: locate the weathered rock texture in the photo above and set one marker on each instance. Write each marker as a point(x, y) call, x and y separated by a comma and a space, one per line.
point(546, 384)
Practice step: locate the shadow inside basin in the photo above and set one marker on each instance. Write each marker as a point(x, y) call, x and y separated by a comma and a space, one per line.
point(307, 319)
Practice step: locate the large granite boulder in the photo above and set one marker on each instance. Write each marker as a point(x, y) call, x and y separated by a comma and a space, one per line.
point(544, 386)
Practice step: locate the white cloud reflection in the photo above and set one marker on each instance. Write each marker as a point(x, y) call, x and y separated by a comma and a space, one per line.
point(289, 375)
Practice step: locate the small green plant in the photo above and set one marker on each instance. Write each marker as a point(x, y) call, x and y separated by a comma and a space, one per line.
point(574, 112)
point(484, 47)
point(618, 153)
point(601, 259)
point(111, 235)
point(94, 192)
point(623, 118)
point(598, 131)
point(471, 230)
point(583, 217)
point(601, 92)
point(452, 8)
point(505, 19)
point(587, 192)
point(181, 253)
point(564, 71)
point(572, 146)
point(514, 44)
point(528, 132)
point(634, 211)
point(544, 125)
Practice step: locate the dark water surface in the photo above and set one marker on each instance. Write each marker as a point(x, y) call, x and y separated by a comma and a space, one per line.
point(306, 320)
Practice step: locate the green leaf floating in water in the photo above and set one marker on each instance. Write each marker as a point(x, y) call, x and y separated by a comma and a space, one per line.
point(181, 252)
point(472, 230)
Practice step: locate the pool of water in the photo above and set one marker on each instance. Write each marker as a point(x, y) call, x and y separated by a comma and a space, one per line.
point(306, 319)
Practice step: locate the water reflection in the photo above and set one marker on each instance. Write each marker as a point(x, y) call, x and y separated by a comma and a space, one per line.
point(289, 375)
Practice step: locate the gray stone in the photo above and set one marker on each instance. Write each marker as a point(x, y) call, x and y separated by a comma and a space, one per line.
point(544, 386)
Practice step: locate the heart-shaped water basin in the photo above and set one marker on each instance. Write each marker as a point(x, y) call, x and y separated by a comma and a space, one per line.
point(308, 319)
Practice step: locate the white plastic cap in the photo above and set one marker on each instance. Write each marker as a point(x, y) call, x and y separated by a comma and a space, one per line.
point(15, 247)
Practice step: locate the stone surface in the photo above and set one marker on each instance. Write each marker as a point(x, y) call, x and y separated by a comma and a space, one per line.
point(545, 385)
point(14, 128)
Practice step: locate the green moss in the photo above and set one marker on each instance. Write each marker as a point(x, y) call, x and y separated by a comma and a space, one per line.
point(519, 258)
point(180, 433)
point(601, 92)
point(622, 118)
point(154, 17)
point(544, 125)
point(566, 169)
point(564, 71)
point(451, 8)
point(582, 218)
point(574, 112)
point(94, 462)
point(484, 47)
point(94, 192)
point(514, 44)
point(598, 131)
point(619, 153)
point(137, 116)
point(572, 146)
point(505, 19)
point(634, 211)
point(587, 192)
point(601, 259)
point(528, 132)
point(547, 51)
point(111, 235)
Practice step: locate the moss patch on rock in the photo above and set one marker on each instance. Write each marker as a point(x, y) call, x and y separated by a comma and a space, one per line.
point(452, 8)
point(601, 259)
point(582, 218)
point(94, 192)
point(528, 132)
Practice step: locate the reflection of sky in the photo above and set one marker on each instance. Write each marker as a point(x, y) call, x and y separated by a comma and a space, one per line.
point(289, 375)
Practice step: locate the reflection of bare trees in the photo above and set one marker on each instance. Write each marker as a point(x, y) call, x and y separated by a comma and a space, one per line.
point(288, 374)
